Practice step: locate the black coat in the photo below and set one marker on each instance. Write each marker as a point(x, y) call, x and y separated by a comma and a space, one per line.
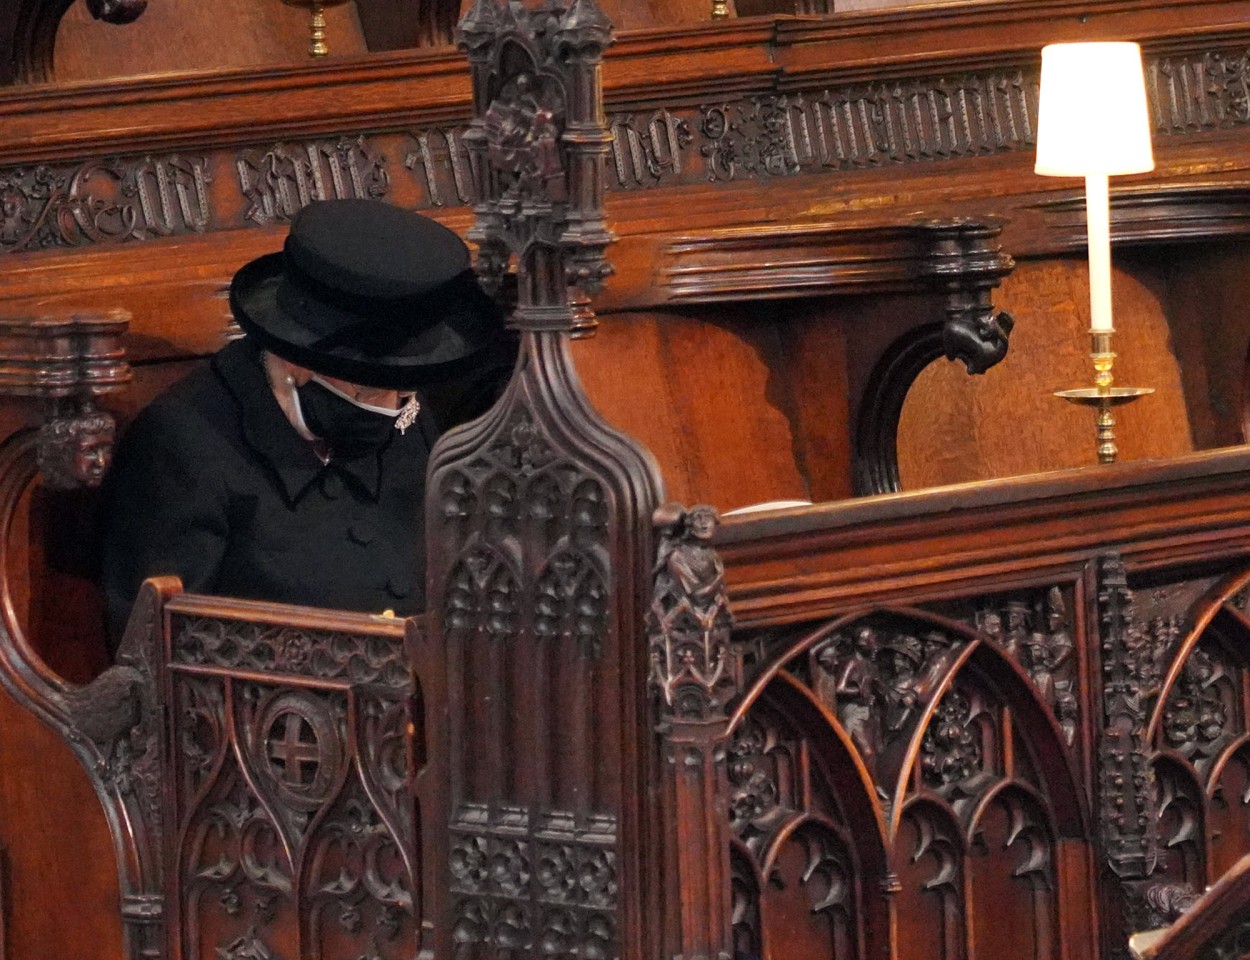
point(213, 484)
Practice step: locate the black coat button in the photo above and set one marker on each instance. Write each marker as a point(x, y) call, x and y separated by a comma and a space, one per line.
point(397, 588)
point(361, 533)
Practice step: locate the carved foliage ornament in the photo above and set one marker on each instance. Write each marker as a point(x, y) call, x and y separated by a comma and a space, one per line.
point(359, 658)
point(529, 882)
point(284, 783)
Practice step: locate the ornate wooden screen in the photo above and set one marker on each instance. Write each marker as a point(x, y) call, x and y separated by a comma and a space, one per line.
point(1023, 738)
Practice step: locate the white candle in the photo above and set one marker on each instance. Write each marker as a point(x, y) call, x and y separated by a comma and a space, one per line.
point(1098, 216)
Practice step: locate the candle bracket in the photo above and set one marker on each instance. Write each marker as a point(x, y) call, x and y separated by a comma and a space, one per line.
point(1104, 396)
point(317, 45)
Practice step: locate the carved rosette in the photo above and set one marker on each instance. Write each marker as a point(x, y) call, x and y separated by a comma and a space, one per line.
point(1128, 794)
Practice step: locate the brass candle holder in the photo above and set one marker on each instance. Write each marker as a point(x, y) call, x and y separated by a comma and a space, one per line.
point(1103, 395)
point(317, 46)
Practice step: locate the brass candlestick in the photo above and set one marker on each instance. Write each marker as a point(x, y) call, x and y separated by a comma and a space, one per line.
point(720, 9)
point(1103, 396)
point(317, 46)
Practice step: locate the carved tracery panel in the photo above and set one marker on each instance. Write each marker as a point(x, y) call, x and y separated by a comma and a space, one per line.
point(794, 863)
point(944, 746)
point(1198, 727)
point(296, 831)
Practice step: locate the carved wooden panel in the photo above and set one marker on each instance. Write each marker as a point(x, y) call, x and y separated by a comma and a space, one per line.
point(296, 834)
point(535, 545)
point(953, 779)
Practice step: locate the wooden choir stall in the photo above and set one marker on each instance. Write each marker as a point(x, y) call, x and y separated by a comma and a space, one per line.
point(969, 695)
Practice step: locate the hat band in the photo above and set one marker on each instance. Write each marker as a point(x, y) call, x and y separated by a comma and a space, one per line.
point(351, 317)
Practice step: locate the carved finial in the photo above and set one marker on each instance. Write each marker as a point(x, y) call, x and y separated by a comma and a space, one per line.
point(585, 26)
point(538, 146)
point(477, 28)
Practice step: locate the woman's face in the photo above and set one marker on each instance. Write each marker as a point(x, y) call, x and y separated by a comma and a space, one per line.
point(374, 396)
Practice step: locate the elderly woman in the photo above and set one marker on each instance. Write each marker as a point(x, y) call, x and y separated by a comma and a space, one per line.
point(292, 468)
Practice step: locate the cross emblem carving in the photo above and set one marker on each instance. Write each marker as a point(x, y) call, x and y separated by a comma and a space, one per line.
point(297, 756)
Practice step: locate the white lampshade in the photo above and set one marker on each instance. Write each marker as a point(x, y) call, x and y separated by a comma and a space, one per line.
point(1092, 114)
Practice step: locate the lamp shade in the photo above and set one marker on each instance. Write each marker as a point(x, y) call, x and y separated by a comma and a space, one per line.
point(1092, 114)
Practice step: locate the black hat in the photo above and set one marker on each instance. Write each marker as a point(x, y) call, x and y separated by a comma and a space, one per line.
point(368, 293)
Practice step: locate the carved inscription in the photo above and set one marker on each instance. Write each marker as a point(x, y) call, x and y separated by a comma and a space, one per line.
point(135, 198)
point(646, 150)
point(103, 202)
point(442, 162)
point(279, 181)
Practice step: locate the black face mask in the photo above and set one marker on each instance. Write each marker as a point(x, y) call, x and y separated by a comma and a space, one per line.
point(349, 430)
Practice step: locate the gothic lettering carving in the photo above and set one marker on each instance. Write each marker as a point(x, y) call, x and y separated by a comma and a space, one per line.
point(103, 201)
point(444, 165)
point(126, 199)
point(647, 151)
point(279, 181)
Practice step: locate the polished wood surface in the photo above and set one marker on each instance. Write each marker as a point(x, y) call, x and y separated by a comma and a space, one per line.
point(762, 289)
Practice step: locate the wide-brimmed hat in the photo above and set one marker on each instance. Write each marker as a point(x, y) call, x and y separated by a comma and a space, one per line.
point(369, 293)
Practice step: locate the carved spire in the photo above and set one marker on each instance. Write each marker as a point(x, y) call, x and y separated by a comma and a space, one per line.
point(536, 532)
point(1128, 793)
